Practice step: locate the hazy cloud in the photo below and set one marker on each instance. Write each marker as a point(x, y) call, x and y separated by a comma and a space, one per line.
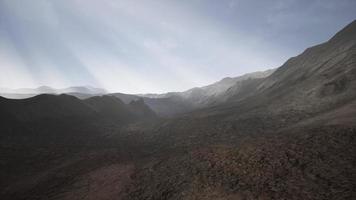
point(140, 46)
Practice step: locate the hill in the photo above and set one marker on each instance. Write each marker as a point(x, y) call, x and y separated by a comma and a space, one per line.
point(289, 135)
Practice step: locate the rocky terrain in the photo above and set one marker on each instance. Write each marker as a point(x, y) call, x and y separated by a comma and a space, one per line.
point(288, 135)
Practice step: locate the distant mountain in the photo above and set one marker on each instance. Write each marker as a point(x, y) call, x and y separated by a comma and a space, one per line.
point(30, 92)
point(167, 104)
point(204, 96)
point(173, 103)
point(288, 135)
point(83, 90)
point(112, 107)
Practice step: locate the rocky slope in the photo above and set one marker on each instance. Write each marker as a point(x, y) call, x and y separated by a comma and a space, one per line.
point(59, 118)
point(290, 135)
point(175, 103)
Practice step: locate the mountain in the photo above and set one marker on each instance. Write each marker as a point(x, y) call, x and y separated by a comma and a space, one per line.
point(320, 79)
point(112, 107)
point(63, 107)
point(45, 107)
point(214, 89)
point(289, 135)
point(83, 90)
point(166, 105)
point(64, 116)
point(204, 96)
point(29, 92)
point(174, 103)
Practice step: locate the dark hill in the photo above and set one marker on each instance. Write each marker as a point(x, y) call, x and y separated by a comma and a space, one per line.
point(46, 106)
point(109, 107)
point(290, 135)
point(55, 117)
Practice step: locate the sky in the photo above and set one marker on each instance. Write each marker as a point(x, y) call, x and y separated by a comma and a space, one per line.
point(156, 46)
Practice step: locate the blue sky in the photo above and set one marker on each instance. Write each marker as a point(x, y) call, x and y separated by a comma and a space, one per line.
point(141, 46)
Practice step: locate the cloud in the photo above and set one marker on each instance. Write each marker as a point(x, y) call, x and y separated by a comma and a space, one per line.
point(157, 46)
point(14, 73)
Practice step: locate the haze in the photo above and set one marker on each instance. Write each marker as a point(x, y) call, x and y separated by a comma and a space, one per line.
point(156, 46)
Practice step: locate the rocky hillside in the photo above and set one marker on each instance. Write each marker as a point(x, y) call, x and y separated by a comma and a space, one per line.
point(290, 135)
point(175, 103)
point(56, 118)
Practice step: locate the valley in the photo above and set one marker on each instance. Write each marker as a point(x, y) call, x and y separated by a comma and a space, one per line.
point(286, 133)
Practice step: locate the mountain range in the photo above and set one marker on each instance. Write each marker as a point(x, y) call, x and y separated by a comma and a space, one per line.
point(287, 133)
point(166, 105)
point(80, 91)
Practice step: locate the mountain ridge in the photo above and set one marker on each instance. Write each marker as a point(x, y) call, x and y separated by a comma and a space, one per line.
point(289, 135)
point(30, 92)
